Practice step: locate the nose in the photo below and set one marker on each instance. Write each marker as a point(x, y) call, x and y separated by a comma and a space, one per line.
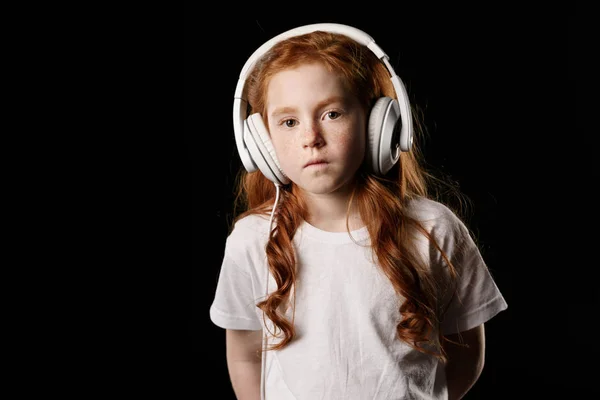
point(312, 136)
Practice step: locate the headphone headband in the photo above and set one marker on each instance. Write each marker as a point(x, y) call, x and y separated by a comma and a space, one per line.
point(353, 33)
point(240, 102)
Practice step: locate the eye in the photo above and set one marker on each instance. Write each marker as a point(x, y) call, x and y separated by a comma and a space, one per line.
point(290, 123)
point(333, 114)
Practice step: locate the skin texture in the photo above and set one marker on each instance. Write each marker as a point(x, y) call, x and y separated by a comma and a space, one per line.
point(465, 361)
point(244, 362)
point(311, 117)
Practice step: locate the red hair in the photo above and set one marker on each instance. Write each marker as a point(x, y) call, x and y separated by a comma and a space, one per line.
point(381, 201)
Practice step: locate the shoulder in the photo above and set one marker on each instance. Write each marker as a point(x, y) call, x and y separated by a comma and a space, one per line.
point(441, 222)
point(249, 224)
point(433, 213)
point(249, 232)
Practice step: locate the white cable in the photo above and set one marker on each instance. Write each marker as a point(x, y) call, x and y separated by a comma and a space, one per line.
point(265, 341)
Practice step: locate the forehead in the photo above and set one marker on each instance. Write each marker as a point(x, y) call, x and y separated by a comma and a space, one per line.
point(304, 83)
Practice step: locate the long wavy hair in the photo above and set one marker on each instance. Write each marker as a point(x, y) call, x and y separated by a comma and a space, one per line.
point(381, 200)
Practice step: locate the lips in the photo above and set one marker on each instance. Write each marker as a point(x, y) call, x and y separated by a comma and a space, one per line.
point(315, 162)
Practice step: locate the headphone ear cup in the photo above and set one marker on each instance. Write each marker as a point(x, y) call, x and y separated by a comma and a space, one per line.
point(262, 151)
point(383, 142)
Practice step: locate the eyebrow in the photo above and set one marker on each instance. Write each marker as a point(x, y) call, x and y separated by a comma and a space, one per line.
point(321, 104)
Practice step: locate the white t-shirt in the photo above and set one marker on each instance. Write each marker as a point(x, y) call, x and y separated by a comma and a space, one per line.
point(346, 310)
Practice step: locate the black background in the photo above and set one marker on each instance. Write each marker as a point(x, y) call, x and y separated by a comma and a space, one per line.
point(496, 84)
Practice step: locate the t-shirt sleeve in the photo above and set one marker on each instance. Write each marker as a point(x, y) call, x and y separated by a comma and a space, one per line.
point(234, 305)
point(477, 298)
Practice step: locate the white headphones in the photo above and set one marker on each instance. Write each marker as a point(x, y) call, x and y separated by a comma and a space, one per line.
point(252, 137)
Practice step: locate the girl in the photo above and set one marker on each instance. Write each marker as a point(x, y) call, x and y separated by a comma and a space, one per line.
point(343, 278)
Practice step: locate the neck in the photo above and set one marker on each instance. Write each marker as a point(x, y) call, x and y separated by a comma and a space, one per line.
point(329, 212)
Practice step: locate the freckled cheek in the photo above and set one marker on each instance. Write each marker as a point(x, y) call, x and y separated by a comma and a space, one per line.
point(351, 144)
point(285, 154)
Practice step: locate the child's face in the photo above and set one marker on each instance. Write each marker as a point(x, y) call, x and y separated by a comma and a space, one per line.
point(311, 117)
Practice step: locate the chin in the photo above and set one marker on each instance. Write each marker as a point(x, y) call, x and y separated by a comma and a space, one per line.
point(322, 187)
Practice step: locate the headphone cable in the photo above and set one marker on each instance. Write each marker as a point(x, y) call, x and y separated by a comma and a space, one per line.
point(265, 341)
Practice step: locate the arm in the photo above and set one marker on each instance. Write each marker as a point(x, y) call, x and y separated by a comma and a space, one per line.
point(244, 362)
point(465, 361)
